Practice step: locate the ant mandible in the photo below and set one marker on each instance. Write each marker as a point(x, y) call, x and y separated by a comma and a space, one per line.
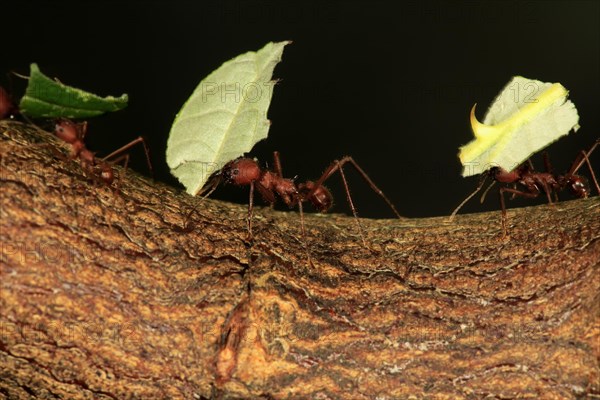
point(534, 182)
point(247, 172)
point(74, 134)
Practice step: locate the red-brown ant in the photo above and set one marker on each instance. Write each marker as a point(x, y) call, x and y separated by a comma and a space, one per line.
point(534, 183)
point(7, 107)
point(74, 134)
point(247, 172)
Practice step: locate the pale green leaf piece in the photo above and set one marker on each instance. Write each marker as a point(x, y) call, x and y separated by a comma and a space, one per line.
point(527, 116)
point(48, 98)
point(224, 118)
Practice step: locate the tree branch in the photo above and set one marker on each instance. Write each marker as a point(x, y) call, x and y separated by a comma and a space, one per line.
point(111, 296)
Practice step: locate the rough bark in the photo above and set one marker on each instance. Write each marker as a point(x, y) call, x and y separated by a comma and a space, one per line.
point(109, 295)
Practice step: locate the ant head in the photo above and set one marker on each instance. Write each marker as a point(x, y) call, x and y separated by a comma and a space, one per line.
point(242, 171)
point(320, 198)
point(578, 185)
point(66, 130)
point(501, 175)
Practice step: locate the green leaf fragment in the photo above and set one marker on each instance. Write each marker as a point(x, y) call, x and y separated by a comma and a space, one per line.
point(224, 118)
point(45, 97)
point(527, 116)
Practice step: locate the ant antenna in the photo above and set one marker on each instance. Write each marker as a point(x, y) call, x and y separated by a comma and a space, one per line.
point(209, 188)
point(18, 75)
point(277, 165)
point(486, 192)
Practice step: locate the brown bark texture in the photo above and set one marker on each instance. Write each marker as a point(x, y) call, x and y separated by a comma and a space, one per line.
point(107, 293)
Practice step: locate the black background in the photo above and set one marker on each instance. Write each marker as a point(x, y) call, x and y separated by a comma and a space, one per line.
point(389, 83)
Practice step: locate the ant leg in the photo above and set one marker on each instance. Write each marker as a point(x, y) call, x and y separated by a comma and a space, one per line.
point(371, 183)
point(250, 210)
point(82, 129)
point(584, 157)
point(277, 164)
point(547, 189)
point(105, 167)
point(360, 230)
point(587, 160)
point(278, 172)
point(549, 169)
point(129, 145)
point(337, 165)
point(515, 192)
point(503, 208)
point(547, 164)
point(303, 228)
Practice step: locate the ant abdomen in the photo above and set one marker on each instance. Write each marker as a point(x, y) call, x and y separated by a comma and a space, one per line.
point(579, 186)
point(107, 174)
point(320, 198)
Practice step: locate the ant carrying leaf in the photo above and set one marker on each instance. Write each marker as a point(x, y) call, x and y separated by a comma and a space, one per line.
point(532, 183)
point(224, 118)
point(527, 116)
point(272, 184)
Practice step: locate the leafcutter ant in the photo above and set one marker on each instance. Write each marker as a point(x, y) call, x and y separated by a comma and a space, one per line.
point(7, 106)
point(272, 184)
point(531, 183)
point(101, 169)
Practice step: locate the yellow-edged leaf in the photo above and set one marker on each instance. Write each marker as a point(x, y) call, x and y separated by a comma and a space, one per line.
point(527, 116)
